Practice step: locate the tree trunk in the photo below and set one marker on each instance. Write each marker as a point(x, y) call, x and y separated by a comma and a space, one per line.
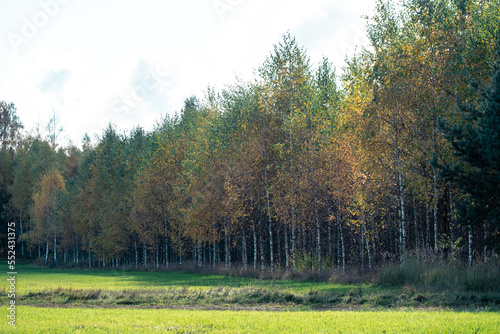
point(286, 249)
point(435, 207)
point(452, 223)
point(469, 243)
point(136, 254)
point(218, 253)
point(47, 253)
point(144, 255)
point(90, 254)
point(368, 252)
point(227, 261)
point(180, 248)
point(209, 250)
point(315, 202)
point(338, 242)
point(214, 258)
point(329, 225)
point(166, 243)
point(318, 239)
point(21, 234)
point(365, 232)
point(244, 248)
point(261, 252)
point(55, 248)
point(399, 177)
point(376, 241)
point(292, 186)
point(271, 260)
point(278, 246)
point(402, 217)
point(362, 249)
point(293, 244)
point(485, 236)
point(254, 246)
point(341, 241)
point(427, 227)
point(415, 220)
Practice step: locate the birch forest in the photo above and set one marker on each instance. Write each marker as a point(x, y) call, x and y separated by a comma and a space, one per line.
point(307, 168)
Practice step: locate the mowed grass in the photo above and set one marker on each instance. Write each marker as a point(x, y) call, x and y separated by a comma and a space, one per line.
point(87, 320)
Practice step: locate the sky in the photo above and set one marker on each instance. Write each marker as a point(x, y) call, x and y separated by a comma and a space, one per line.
point(131, 62)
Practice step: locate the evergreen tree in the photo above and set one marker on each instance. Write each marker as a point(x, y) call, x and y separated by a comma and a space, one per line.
point(476, 142)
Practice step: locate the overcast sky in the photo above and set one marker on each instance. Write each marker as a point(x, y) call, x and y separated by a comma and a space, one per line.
point(130, 62)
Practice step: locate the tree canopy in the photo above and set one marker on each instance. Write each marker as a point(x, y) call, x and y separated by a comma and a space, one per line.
point(307, 167)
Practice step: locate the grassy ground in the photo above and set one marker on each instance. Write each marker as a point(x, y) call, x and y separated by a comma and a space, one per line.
point(62, 301)
point(36, 279)
point(109, 288)
point(87, 320)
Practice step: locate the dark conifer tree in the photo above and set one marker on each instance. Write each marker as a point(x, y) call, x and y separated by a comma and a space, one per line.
point(476, 141)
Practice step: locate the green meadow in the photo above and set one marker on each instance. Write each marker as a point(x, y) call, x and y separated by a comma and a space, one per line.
point(129, 320)
point(111, 288)
point(127, 301)
point(36, 279)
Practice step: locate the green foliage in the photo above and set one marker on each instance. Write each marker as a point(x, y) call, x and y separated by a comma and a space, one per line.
point(291, 171)
point(476, 141)
point(10, 126)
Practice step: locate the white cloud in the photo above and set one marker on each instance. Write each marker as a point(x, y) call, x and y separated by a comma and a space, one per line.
point(93, 55)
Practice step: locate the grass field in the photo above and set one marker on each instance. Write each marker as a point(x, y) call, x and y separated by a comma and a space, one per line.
point(72, 287)
point(111, 301)
point(87, 320)
point(37, 279)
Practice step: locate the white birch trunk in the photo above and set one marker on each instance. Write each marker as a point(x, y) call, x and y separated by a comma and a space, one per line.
point(271, 260)
point(368, 253)
point(339, 219)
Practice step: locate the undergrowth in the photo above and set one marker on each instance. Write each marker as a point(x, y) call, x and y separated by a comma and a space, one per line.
point(442, 275)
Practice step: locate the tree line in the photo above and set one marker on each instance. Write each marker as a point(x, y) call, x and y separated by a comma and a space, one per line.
point(299, 169)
